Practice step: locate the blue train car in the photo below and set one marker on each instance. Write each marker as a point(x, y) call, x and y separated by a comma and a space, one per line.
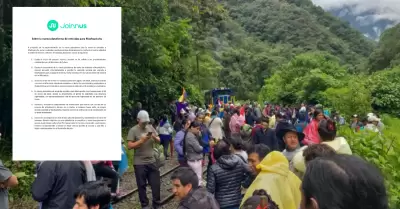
point(225, 95)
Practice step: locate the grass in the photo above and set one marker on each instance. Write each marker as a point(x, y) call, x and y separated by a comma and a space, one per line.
point(392, 125)
point(391, 132)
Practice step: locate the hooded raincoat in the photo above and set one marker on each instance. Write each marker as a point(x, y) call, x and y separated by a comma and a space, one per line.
point(339, 144)
point(276, 178)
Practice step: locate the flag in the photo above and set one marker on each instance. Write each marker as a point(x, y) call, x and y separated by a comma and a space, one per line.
point(183, 97)
point(180, 106)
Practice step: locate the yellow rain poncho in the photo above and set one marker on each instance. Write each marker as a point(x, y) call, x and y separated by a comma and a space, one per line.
point(279, 182)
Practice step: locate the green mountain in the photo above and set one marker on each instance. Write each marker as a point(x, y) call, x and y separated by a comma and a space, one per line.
point(241, 42)
point(387, 54)
point(299, 23)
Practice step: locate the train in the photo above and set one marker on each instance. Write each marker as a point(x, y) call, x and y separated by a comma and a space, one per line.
point(223, 95)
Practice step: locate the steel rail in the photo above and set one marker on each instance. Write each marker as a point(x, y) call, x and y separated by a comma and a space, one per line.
point(131, 192)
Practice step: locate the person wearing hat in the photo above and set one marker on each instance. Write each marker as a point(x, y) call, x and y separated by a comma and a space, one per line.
point(141, 138)
point(292, 138)
point(376, 120)
point(373, 122)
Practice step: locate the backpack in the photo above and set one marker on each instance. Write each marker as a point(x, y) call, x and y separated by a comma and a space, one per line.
point(302, 116)
point(245, 132)
point(184, 145)
point(177, 125)
point(159, 155)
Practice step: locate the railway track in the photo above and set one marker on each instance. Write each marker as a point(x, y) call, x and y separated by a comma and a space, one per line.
point(164, 177)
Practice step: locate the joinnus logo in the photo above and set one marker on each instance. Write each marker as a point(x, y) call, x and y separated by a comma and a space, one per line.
point(53, 25)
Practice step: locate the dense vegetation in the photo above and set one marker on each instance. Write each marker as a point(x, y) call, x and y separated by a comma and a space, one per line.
point(381, 150)
point(283, 51)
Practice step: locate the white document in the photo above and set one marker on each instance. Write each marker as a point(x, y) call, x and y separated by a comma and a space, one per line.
point(66, 83)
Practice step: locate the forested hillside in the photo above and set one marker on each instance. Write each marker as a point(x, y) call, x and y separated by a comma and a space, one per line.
point(249, 39)
point(387, 54)
point(301, 24)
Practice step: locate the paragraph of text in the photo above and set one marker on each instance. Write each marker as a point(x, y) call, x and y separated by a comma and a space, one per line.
point(46, 71)
point(70, 94)
point(64, 49)
point(69, 122)
point(50, 108)
point(70, 83)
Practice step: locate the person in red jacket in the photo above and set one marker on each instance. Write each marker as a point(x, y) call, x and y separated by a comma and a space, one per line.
point(242, 109)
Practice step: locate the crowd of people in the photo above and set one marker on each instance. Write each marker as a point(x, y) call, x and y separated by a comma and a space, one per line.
point(268, 149)
point(269, 157)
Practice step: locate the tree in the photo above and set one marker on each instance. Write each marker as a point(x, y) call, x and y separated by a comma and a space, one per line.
point(303, 79)
point(385, 88)
point(353, 98)
point(388, 52)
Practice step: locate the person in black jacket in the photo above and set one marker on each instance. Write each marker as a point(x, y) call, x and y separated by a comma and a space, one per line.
point(226, 176)
point(280, 123)
point(266, 136)
point(186, 189)
point(57, 182)
point(250, 116)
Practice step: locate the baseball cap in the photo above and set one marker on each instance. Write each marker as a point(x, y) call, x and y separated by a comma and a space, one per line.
point(143, 116)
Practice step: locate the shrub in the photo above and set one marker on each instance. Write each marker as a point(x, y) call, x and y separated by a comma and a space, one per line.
point(380, 150)
point(355, 98)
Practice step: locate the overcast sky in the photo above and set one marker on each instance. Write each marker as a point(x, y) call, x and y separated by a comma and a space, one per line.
point(383, 9)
